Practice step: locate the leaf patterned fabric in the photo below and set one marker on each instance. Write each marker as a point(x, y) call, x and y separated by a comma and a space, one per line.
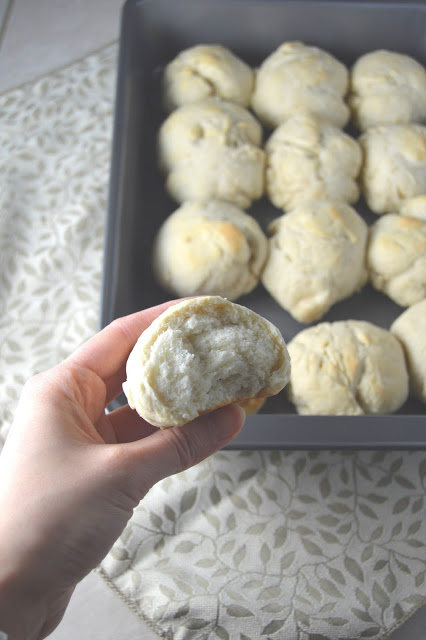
point(306, 545)
point(247, 545)
point(55, 138)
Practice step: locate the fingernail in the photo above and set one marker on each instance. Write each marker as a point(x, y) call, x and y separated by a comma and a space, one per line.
point(226, 423)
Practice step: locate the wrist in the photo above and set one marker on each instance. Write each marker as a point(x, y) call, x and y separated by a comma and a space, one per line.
point(30, 606)
point(22, 613)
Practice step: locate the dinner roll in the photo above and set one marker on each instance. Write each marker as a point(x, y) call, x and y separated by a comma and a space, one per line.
point(297, 78)
point(349, 367)
point(202, 354)
point(394, 167)
point(308, 159)
point(410, 329)
point(210, 149)
point(316, 258)
point(387, 88)
point(252, 405)
point(396, 258)
point(209, 247)
point(203, 71)
point(414, 207)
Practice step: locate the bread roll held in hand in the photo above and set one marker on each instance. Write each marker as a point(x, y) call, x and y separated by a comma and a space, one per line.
point(206, 70)
point(209, 248)
point(202, 354)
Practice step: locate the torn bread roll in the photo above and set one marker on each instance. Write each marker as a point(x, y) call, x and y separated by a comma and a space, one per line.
point(202, 354)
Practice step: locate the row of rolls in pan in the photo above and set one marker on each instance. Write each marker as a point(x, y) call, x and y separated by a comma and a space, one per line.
point(319, 250)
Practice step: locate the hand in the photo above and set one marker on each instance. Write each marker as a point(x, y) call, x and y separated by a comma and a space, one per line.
point(71, 475)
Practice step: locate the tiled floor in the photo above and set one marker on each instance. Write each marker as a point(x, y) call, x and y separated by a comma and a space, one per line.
point(41, 35)
point(37, 36)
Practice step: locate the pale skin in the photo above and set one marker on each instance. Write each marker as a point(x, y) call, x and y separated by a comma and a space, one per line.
point(71, 474)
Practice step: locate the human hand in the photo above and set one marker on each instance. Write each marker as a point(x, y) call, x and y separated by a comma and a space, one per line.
point(71, 475)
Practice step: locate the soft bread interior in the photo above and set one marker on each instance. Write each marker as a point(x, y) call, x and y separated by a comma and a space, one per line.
point(208, 353)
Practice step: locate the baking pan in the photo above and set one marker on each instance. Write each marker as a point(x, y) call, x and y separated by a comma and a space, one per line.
point(152, 33)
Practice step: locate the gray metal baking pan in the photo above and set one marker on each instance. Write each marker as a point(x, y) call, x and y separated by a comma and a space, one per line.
point(152, 33)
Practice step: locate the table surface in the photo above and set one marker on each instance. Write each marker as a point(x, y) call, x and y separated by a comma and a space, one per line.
point(35, 38)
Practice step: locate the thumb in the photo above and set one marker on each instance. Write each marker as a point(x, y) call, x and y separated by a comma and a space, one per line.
point(170, 451)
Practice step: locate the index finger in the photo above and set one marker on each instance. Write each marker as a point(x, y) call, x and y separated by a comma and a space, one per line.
point(106, 352)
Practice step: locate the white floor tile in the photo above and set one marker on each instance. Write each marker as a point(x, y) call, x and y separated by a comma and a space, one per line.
point(43, 35)
point(97, 612)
